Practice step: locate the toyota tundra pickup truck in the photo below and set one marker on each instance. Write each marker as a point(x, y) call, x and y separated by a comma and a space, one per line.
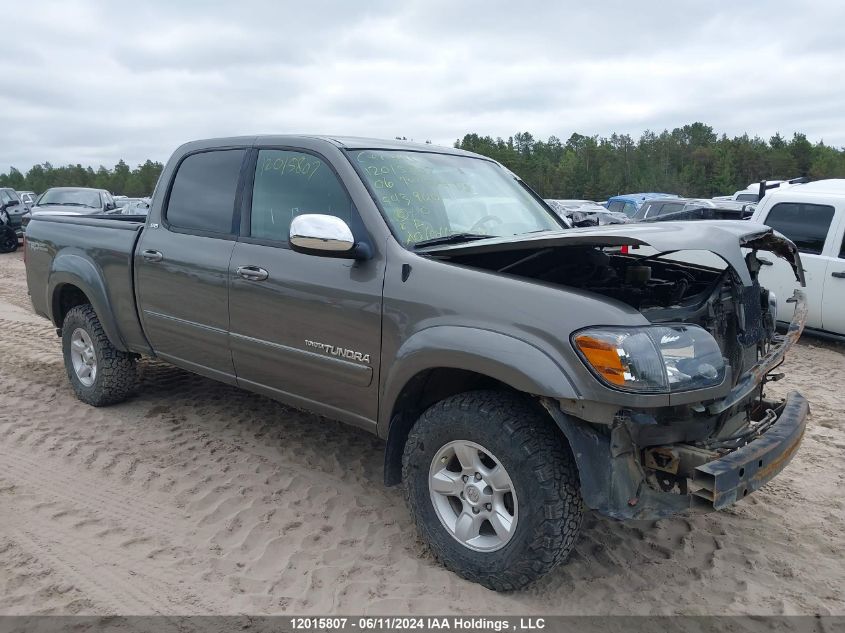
point(519, 371)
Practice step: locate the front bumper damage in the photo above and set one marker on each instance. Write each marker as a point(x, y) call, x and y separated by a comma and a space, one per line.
point(716, 480)
point(725, 481)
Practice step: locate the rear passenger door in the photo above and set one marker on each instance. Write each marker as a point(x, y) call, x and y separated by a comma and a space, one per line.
point(808, 225)
point(305, 329)
point(182, 264)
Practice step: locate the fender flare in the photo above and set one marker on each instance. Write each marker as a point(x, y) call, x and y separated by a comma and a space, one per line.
point(509, 360)
point(76, 270)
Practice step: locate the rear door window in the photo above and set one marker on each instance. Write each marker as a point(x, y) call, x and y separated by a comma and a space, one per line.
point(616, 205)
point(202, 198)
point(805, 224)
point(629, 209)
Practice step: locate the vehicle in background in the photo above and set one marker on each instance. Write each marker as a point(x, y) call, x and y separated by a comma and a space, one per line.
point(812, 215)
point(630, 203)
point(74, 201)
point(122, 201)
point(132, 206)
point(17, 211)
point(758, 190)
point(28, 198)
point(668, 209)
point(586, 213)
point(8, 235)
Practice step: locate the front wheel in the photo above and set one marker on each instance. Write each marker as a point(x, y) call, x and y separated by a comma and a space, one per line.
point(492, 487)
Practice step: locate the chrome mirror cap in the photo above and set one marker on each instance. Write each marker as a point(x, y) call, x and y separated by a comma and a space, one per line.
point(313, 232)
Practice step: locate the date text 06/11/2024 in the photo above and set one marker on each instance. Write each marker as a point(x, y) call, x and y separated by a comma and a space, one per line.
point(387, 623)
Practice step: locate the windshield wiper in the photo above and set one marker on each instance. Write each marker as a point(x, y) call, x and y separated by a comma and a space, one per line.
point(455, 238)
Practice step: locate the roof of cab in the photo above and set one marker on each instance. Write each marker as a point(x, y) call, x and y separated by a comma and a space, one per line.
point(343, 142)
point(834, 186)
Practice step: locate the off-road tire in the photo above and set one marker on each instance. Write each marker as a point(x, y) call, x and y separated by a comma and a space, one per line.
point(542, 470)
point(117, 372)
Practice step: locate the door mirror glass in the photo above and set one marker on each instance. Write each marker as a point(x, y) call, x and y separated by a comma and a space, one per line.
point(319, 234)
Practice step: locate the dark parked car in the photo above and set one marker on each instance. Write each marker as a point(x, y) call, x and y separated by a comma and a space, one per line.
point(15, 208)
point(662, 209)
point(517, 369)
point(74, 201)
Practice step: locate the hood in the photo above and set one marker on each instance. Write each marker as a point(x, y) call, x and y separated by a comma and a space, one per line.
point(725, 238)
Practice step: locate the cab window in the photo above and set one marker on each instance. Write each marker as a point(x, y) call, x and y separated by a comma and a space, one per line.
point(805, 224)
point(202, 198)
point(290, 183)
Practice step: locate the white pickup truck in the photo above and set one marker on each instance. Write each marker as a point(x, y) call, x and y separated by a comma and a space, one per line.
point(813, 216)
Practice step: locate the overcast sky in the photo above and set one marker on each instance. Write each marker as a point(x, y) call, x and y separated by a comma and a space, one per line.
point(93, 82)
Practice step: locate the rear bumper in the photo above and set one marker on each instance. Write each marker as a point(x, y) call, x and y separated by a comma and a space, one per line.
point(725, 481)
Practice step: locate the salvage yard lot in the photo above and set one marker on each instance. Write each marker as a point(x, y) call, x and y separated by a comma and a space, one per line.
point(194, 497)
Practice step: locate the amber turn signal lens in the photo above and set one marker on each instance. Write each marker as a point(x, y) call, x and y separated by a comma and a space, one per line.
point(603, 357)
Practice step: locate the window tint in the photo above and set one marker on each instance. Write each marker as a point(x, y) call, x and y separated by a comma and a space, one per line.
point(804, 224)
point(288, 184)
point(203, 193)
point(842, 250)
point(748, 197)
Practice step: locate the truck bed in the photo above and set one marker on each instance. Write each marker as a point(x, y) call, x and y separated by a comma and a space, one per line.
point(99, 249)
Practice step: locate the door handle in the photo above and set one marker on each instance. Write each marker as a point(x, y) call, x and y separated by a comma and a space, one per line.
point(764, 262)
point(152, 256)
point(253, 273)
point(840, 274)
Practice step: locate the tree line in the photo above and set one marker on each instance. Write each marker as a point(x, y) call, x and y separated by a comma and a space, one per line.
point(691, 160)
point(120, 180)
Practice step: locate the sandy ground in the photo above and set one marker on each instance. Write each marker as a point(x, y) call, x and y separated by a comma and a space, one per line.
point(194, 497)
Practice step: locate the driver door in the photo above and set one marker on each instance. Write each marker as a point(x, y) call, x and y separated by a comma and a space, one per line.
point(305, 329)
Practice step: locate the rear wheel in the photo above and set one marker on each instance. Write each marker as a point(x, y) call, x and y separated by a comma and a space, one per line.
point(492, 488)
point(99, 373)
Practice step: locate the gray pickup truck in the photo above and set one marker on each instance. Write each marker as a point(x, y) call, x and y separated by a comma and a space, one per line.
point(518, 370)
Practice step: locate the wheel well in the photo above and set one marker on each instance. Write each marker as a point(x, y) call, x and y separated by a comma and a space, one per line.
point(418, 394)
point(65, 298)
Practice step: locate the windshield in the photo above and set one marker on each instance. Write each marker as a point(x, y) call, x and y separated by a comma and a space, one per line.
point(427, 196)
point(71, 197)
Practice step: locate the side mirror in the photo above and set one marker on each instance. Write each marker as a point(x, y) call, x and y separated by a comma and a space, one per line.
point(326, 235)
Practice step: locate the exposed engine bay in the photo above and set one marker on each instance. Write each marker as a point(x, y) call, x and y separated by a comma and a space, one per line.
point(739, 317)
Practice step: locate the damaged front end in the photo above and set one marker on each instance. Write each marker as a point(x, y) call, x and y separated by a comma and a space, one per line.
point(702, 434)
point(703, 456)
point(711, 453)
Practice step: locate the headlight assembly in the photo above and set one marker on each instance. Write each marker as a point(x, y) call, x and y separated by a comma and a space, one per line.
point(652, 359)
